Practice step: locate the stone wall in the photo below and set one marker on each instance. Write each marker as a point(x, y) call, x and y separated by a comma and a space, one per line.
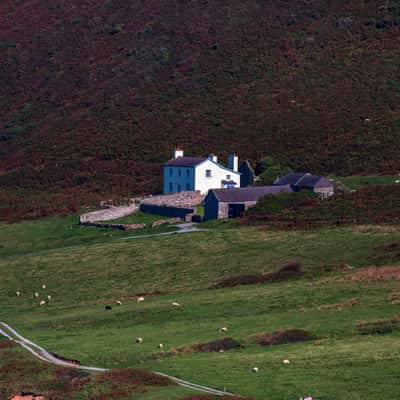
point(179, 200)
point(166, 211)
point(109, 213)
point(123, 227)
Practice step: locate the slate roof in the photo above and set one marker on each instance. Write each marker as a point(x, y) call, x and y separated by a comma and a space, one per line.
point(185, 161)
point(303, 180)
point(254, 193)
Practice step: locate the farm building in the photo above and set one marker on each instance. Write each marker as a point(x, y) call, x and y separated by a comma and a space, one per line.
point(306, 181)
point(199, 173)
point(231, 203)
point(248, 177)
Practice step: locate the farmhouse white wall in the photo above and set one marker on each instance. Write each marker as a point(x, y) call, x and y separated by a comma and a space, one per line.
point(204, 183)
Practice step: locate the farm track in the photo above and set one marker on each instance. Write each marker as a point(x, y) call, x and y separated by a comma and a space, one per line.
point(43, 355)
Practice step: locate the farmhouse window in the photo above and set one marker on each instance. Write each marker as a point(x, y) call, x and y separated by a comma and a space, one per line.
point(188, 172)
point(188, 186)
point(208, 173)
point(170, 172)
point(179, 172)
point(171, 187)
point(228, 177)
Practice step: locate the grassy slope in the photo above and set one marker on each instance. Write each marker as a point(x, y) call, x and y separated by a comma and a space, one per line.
point(96, 92)
point(87, 274)
point(20, 372)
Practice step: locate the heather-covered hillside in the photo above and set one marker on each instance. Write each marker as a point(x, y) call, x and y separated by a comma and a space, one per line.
point(95, 93)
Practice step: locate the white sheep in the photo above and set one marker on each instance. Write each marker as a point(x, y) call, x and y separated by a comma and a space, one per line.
point(223, 329)
point(49, 297)
point(42, 303)
point(36, 294)
point(119, 302)
point(397, 181)
point(175, 304)
point(17, 292)
point(43, 286)
point(139, 299)
point(160, 346)
point(286, 361)
point(139, 340)
point(255, 370)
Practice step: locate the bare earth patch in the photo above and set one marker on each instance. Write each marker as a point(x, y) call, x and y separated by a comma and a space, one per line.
point(283, 337)
point(288, 271)
point(380, 326)
point(374, 274)
point(218, 345)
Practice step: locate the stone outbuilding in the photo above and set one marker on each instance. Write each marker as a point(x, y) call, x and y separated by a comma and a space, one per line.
point(306, 181)
point(231, 203)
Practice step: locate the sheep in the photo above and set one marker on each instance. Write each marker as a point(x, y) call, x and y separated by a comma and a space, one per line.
point(223, 329)
point(160, 346)
point(139, 299)
point(286, 361)
point(139, 340)
point(255, 370)
point(175, 304)
point(36, 294)
point(17, 292)
point(43, 286)
point(49, 297)
point(397, 181)
point(118, 302)
point(42, 303)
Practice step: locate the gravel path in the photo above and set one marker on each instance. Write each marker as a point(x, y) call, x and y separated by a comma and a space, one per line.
point(182, 228)
point(42, 354)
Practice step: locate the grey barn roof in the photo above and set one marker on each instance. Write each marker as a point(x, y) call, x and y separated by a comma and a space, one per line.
point(303, 180)
point(185, 161)
point(240, 195)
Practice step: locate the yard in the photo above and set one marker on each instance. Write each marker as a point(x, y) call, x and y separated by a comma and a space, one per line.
point(85, 269)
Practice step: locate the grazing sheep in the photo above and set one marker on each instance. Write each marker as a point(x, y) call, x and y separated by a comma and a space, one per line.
point(221, 350)
point(48, 297)
point(42, 303)
point(108, 307)
point(223, 329)
point(254, 369)
point(139, 299)
point(36, 294)
point(17, 292)
point(397, 181)
point(139, 340)
point(118, 302)
point(286, 361)
point(43, 286)
point(175, 304)
point(160, 346)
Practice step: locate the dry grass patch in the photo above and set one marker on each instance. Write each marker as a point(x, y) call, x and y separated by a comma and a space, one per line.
point(340, 306)
point(284, 336)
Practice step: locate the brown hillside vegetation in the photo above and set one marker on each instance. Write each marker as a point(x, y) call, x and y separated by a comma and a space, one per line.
point(373, 205)
point(95, 93)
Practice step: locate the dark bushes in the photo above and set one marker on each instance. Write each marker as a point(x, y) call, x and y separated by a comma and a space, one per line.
point(380, 326)
point(214, 346)
point(283, 337)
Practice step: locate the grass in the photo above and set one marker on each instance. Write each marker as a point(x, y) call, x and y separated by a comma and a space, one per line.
point(356, 182)
point(86, 270)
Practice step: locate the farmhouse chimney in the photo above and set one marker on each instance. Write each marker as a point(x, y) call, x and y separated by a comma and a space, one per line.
point(233, 162)
point(178, 153)
point(213, 157)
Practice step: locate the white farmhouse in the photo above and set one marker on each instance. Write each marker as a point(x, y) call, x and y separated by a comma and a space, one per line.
point(199, 174)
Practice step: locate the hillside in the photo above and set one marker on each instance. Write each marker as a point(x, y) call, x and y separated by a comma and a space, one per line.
point(95, 93)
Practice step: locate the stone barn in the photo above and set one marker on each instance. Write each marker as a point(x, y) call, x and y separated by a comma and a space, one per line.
point(231, 203)
point(306, 181)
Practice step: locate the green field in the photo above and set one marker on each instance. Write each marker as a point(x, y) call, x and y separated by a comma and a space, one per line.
point(85, 269)
point(356, 182)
